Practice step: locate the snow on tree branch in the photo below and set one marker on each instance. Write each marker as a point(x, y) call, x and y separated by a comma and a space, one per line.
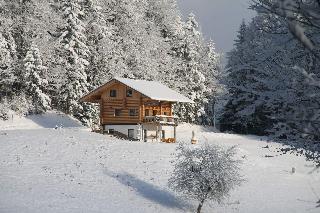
point(207, 172)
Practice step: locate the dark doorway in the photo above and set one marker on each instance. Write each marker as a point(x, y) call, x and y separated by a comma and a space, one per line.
point(131, 133)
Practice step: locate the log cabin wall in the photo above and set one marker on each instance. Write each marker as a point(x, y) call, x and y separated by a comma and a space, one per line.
point(122, 109)
point(116, 110)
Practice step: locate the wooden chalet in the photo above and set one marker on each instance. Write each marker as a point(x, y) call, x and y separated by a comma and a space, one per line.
point(138, 109)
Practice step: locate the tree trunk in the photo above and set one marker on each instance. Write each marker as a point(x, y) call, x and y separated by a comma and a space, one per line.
point(200, 206)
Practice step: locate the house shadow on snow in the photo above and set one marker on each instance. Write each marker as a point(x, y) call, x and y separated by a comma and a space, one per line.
point(54, 119)
point(149, 191)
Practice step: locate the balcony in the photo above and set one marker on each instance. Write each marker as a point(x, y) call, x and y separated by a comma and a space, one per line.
point(161, 119)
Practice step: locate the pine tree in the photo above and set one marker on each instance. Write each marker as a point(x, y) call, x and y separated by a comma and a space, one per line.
point(73, 56)
point(215, 89)
point(191, 73)
point(241, 36)
point(242, 111)
point(16, 17)
point(35, 80)
point(99, 32)
point(7, 57)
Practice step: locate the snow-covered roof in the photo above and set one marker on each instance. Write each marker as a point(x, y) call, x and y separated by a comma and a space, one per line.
point(154, 90)
point(151, 89)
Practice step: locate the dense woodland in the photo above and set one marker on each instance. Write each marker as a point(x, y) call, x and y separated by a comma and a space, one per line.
point(273, 75)
point(53, 52)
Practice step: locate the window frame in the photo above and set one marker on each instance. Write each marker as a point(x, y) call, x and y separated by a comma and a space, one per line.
point(113, 93)
point(127, 94)
point(135, 114)
point(115, 114)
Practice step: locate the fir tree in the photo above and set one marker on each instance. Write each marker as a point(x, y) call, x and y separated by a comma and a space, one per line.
point(99, 32)
point(7, 57)
point(243, 109)
point(73, 56)
point(192, 72)
point(35, 80)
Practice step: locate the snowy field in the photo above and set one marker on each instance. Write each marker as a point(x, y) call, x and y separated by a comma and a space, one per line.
point(70, 169)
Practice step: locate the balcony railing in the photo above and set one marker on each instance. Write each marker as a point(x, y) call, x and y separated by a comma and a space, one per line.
point(161, 119)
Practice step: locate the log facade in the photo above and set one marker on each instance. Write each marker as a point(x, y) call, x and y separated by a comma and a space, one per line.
point(127, 106)
point(126, 109)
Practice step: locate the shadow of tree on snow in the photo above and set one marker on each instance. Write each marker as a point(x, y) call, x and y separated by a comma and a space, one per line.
point(149, 191)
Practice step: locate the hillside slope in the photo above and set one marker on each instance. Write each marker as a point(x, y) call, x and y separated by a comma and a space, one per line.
point(70, 169)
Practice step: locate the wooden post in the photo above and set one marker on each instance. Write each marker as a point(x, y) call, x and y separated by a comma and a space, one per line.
point(145, 133)
point(101, 113)
point(214, 118)
point(157, 133)
point(193, 139)
point(142, 115)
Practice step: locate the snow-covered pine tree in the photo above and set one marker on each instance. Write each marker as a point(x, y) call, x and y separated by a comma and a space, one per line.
point(73, 54)
point(19, 13)
point(15, 18)
point(243, 112)
point(215, 90)
point(190, 73)
point(294, 105)
point(35, 80)
point(300, 16)
point(7, 58)
point(166, 17)
point(99, 32)
point(140, 51)
point(235, 58)
point(270, 87)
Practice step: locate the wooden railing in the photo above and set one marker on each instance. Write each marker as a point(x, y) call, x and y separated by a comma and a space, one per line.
point(161, 119)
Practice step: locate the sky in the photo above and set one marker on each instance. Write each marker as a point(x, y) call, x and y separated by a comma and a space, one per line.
point(219, 19)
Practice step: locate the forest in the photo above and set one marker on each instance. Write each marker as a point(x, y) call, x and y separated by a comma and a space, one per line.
point(54, 52)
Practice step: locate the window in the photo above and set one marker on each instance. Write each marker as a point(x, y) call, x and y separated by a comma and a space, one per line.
point(165, 113)
point(133, 112)
point(129, 92)
point(113, 93)
point(154, 112)
point(117, 112)
point(146, 112)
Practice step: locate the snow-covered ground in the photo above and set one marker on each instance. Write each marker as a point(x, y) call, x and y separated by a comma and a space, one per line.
point(70, 169)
